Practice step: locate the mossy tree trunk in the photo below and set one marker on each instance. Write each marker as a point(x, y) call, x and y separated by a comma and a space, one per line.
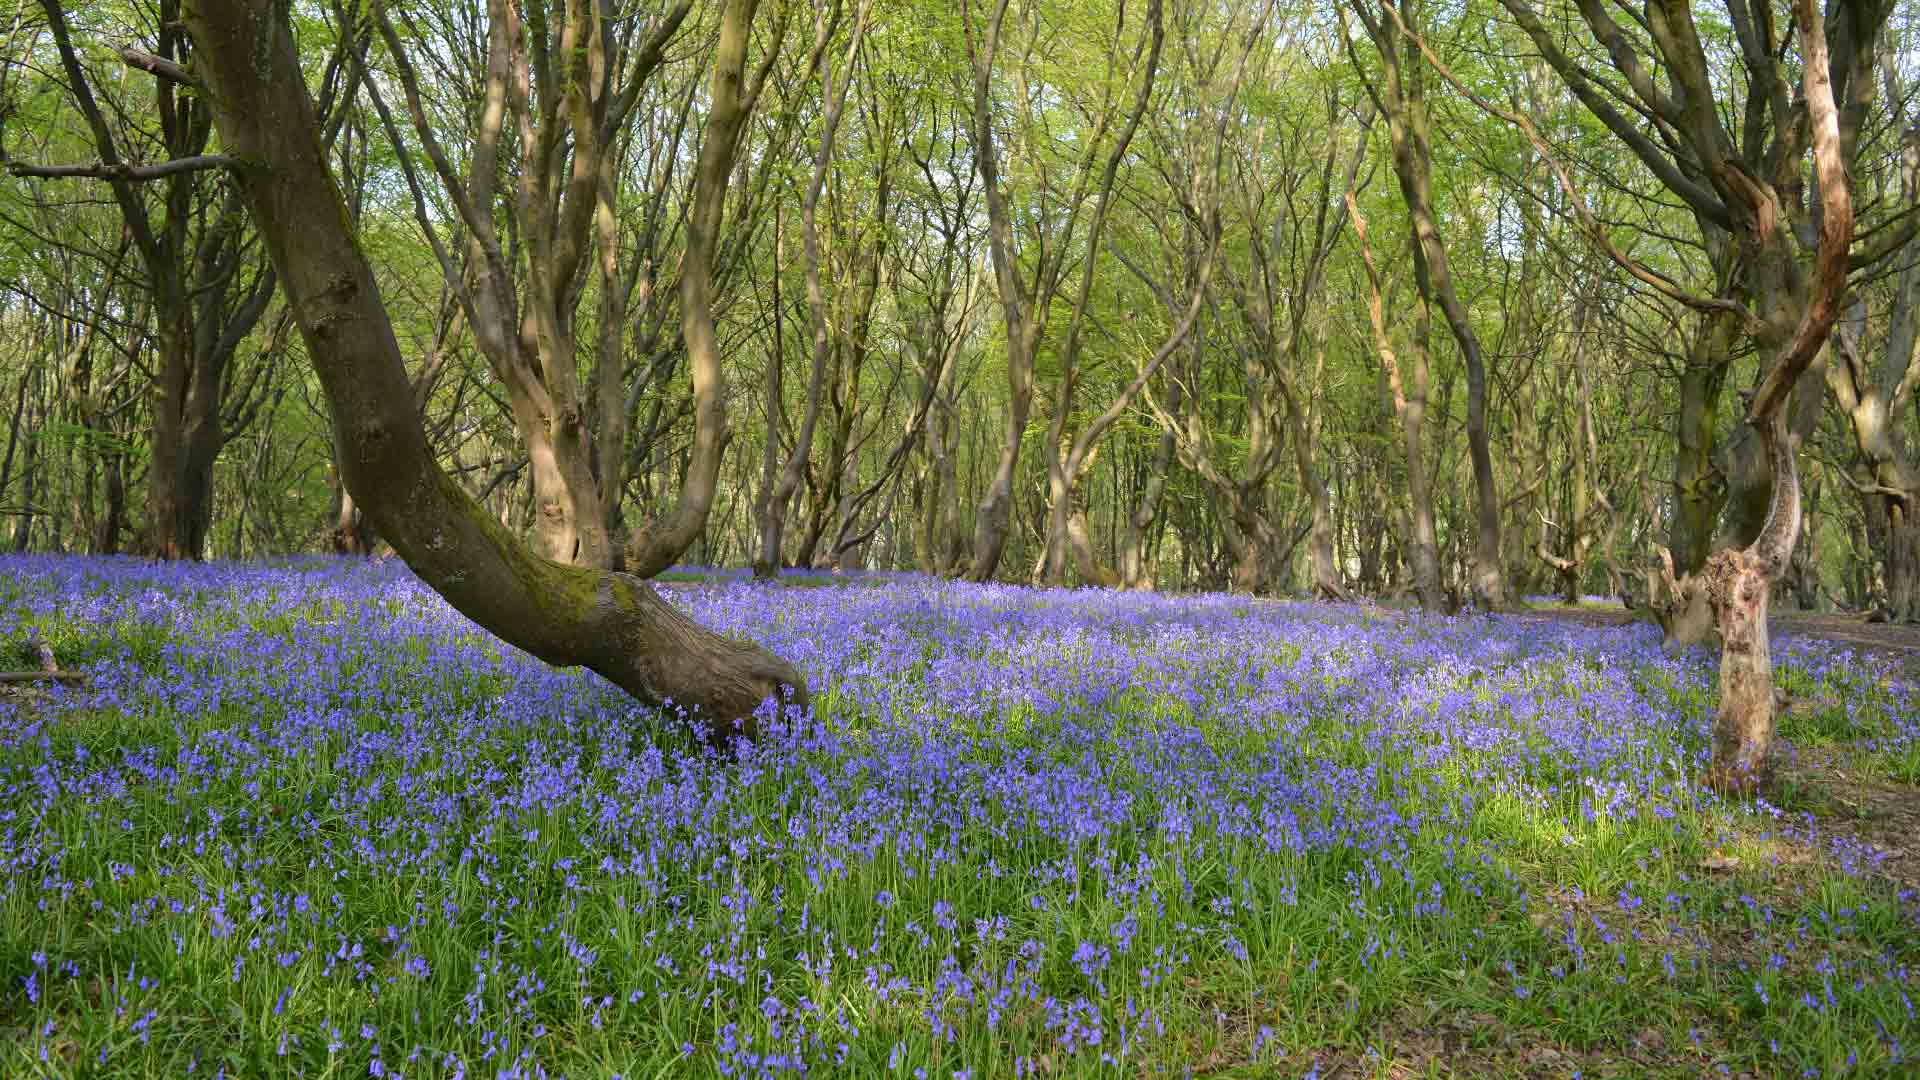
point(612, 623)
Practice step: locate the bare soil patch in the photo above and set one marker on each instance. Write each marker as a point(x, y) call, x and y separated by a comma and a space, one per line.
point(1893, 641)
point(1872, 814)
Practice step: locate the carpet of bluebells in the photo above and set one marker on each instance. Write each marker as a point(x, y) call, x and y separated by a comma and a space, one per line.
point(305, 820)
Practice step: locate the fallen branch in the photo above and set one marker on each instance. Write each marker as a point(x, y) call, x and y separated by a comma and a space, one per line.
point(69, 678)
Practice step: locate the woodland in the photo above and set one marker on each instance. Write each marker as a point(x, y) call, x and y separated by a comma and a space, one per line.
point(1117, 295)
point(1112, 487)
point(1120, 295)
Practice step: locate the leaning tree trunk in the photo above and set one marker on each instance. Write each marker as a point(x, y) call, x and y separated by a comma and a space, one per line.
point(613, 623)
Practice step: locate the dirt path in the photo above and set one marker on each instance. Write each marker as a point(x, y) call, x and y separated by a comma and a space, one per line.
point(1898, 643)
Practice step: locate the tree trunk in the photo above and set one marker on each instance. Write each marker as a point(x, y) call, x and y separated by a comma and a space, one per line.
point(14, 429)
point(655, 547)
point(1023, 319)
point(352, 533)
point(766, 563)
point(1409, 395)
point(1135, 573)
point(106, 537)
point(166, 532)
point(1325, 572)
point(1062, 463)
point(1401, 95)
point(1875, 398)
point(943, 509)
point(1739, 582)
point(1798, 321)
point(30, 473)
point(612, 623)
point(1699, 489)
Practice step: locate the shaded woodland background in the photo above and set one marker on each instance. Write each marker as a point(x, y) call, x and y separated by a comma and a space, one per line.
point(1105, 293)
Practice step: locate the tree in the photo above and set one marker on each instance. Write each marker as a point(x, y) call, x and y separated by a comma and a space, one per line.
point(1753, 186)
point(1400, 95)
point(559, 88)
point(1874, 395)
point(613, 623)
point(1030, 275)
point(205, 283)
point(781, 484)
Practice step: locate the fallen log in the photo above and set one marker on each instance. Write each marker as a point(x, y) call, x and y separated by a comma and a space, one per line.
point(72, 678)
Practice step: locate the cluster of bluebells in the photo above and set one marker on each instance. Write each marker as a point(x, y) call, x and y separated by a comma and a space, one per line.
point(1016, 831)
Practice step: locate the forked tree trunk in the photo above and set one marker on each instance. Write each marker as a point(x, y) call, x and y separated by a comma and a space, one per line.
point(1876, 398)
point(188, 432)
point(1063, 470)
point(654, 547)
point(995, 511)
point(773, 517)
point(613, 623)
point(192, 256)
point(1738, 583)
point(1401, 95)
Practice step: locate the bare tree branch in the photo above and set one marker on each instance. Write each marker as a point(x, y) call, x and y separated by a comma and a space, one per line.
point(120, 170)
point(156, 66)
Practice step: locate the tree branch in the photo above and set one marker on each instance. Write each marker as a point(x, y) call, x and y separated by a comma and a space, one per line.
point(158, 67)
point(119, 170)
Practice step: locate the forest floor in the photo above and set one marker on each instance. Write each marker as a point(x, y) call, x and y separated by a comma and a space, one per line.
point(1821, 776)
point(303, 819)
point(1893, 641)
